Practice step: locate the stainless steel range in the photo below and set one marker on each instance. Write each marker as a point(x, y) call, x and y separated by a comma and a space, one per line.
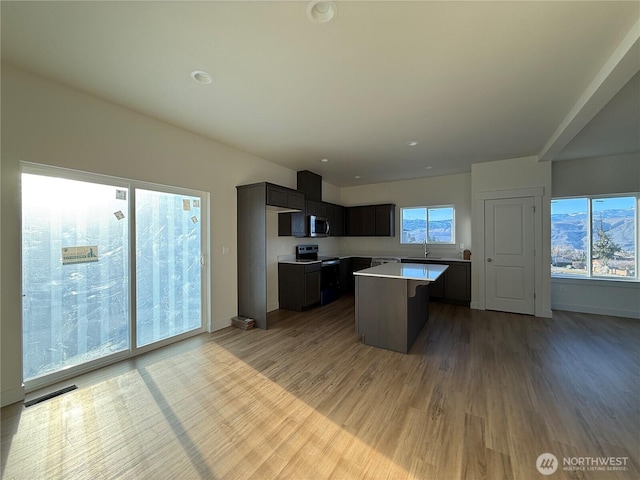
point(329, 273)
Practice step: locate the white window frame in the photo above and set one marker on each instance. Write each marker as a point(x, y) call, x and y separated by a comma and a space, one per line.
point(589, 275)
point(453, 224)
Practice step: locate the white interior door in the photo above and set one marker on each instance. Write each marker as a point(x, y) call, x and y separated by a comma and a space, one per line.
point(510, 255)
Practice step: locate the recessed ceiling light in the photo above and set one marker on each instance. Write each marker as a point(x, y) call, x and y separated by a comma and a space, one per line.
point(412, 143)
point(429, 167)
point(201, 76)
point(357, 176)
point(324, 160)
point(322, 11)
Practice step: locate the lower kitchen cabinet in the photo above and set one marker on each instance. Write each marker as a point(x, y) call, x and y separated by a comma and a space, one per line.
point(356, 264)
point(457, 285)
point(346, 275)
point(298, 285)
point(454, 286)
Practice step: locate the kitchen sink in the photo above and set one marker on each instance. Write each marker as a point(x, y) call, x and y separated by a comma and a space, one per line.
point(430, 257)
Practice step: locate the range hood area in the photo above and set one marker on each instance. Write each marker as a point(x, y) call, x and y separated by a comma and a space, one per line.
point(310, 184)
point(354, 221)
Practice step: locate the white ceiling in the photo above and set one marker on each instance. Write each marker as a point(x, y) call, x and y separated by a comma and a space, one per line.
point(470, 81)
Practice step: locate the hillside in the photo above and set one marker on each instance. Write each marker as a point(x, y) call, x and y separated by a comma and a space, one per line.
point(571, 229)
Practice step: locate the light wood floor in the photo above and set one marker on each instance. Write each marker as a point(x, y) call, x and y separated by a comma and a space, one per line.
point(480, 396)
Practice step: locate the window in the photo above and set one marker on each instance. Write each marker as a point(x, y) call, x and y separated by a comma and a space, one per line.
point(595, 236)
point(87, 299)
point(435, 224)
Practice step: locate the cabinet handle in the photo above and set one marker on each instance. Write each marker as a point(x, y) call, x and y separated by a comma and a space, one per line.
point(489, 260)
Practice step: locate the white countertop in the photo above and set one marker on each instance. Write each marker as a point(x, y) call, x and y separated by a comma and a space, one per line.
point(299, 262)
point(292, 258)
point(407, 271)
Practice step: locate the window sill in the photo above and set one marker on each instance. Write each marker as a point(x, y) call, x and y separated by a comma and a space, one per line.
point(566, 279)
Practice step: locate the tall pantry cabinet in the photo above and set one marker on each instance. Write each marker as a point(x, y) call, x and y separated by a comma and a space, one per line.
point(253, 201)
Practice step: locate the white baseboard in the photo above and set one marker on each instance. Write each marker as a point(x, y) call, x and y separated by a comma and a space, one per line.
point(13, 395)
point(545, 313)
point(220, 324)
point(614, 312)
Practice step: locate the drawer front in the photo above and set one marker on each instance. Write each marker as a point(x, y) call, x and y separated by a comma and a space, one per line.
point(314, 267)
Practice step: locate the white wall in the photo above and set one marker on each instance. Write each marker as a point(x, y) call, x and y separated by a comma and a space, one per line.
point(517, 173)
point(596, 176)
point(444, 190)
point(47, 123)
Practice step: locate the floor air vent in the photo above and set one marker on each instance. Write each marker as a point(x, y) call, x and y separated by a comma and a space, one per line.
point(49, 396)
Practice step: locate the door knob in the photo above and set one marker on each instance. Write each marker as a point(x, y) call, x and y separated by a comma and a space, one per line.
point(489, 260)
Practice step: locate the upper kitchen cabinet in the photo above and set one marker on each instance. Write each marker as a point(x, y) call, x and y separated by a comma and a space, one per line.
point(314, 207)
point(361, 221)
point(292, 224)
point(371, 220)
point(283, 197)
point(335, 214)
point(385, 220)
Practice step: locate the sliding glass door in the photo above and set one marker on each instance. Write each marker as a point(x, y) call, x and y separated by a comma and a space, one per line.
point(168, 265)
point(110, 268)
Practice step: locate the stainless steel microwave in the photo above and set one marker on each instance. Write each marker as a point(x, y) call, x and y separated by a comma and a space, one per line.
point(318, 226)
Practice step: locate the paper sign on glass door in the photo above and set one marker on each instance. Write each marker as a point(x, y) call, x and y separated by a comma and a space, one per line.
point(72, 255)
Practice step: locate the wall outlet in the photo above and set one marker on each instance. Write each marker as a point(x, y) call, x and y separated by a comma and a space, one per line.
point(225, 250)
point(462, 246)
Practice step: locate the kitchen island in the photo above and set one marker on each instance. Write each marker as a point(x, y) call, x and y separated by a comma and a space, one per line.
point(392, 303)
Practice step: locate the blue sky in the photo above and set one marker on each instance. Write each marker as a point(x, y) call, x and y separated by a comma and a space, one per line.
point(420, 214)
point(578, 205)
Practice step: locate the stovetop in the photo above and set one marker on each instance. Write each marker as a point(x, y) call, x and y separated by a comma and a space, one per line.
point(309, 253)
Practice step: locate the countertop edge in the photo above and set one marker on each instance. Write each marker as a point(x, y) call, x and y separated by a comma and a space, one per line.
point(367, 272)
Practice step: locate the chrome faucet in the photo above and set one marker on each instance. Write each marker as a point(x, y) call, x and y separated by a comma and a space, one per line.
point(426, 249)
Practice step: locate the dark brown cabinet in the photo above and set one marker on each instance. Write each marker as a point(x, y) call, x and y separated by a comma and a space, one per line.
point(371, 220)
point(278, 196)
point(361, 221)
point(298, 285)
point(385, 220)
point(457, 285)
point(310, 184)
point(346, 275)
point(316, 208)
point(253, 201)
point(292, 224)
point(454, 285)
point(357, 263)
point(289, 224)
point(335, 214)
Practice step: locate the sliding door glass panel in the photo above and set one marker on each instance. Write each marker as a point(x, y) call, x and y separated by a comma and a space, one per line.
point(168, 265)
point(75, 273)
